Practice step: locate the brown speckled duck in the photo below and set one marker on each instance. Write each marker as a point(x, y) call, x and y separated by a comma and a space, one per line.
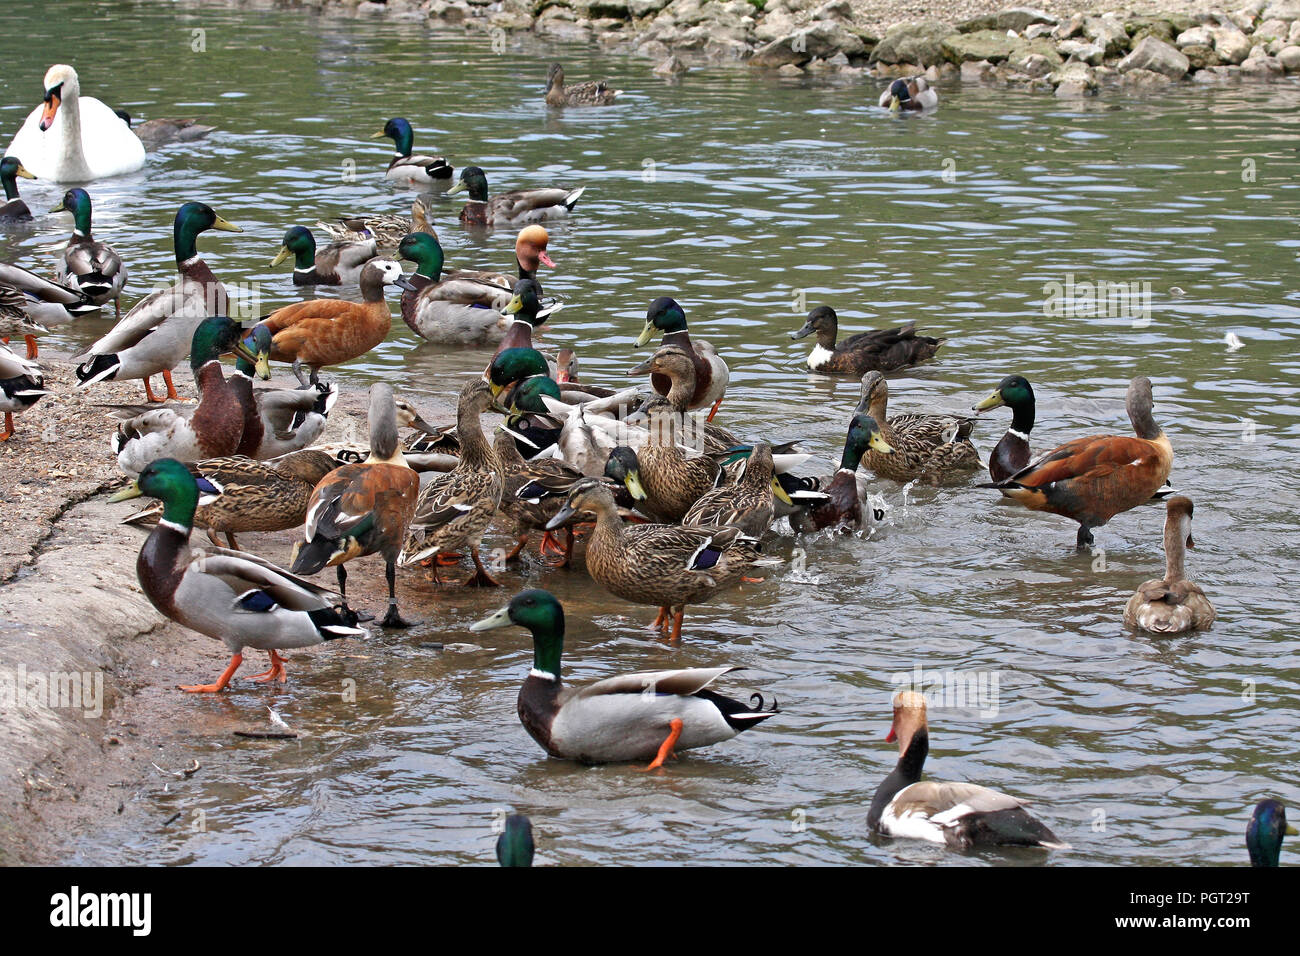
point(880, 350)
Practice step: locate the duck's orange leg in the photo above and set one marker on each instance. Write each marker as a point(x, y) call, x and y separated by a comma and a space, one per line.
point(277, 671)
point(32, 351)
point(550, 546)
point(447, 559)
point(519, 547)
point(666, 748)
point(714, 410)
point(9, 427)
point(480, 578)
point(221, 683)
point(172, 394)
point(676, 634)
point(149, 396)
point(660, 620)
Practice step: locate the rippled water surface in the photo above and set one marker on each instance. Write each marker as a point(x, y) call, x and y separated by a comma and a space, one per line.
point(743, 195)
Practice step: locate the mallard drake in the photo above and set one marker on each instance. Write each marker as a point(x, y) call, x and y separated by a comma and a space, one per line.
point(746, 500)
point(930, 448)
point(1012, 451)
point(665, 566)
point(909, 95)
point(841, 499)
point(87, 266)
point(456, 508)
point(277, 421)
point(407, 168)
point(1172, 605)
point(514, 208)
point(46, 303)
point(21, 387)
point(165, 130)
point(14, 209)
point(711, 373)
point(321, 332)
point(592, 93)
point(465, 308)
point(337, 264)
point(1265, 831)
point(386, 231)
point(525, 312)
point(14, 319)
point(1090, 480)
point(73, 138)
point(212, 430)
point(515, 842)
point(155, 335)
point(236, 597)
point(960, 815)
point(251, 495)
point(363, 509)
point(532, 492)
point(632, 717)
point(882, 350)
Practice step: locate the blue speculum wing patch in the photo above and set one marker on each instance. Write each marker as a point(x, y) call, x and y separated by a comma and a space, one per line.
point(258, 601)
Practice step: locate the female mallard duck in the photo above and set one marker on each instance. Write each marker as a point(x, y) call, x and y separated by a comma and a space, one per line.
point(211, 430)
point(73, 138)
point(386, 231)
point(676, 365)
point(845, 492)
point(46, 303)
point(1090, 480)
point(21, 384)
point(514, 208)
point(456, 508)
point(236, 597)
point(321, 332)
point(515, 844)
point(251, 495)
point(464, 308)
point(1173, 604)
point(1265, 831)
point(363, 509)
point(165, 130)
point(592, 93)
point(711, 373)
point(338, 263)
point(960, 815)
point(931, 448)
point(746, 501)
point(155, 335)
point(632, 717)
point(532, 492)
point(14, 209)
point(909, 95)
point(665, 566)
point(881, 350)
point(673, 479)
point(87, 266)
point(277, 421)
point(407, 168)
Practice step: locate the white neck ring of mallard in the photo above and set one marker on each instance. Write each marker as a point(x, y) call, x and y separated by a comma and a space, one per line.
point(542, 675)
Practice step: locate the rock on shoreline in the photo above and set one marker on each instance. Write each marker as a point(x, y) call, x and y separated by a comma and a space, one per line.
point(1071, 51)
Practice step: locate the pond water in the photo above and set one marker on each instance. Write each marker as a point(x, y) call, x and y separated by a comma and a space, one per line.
point(750, 198)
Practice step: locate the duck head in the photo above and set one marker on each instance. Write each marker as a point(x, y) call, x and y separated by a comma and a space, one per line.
point(425, 251)
point(399, 131)
point(624, 467)
point(1265, 831)
point(864, 434)
point(77, 202)
point(171, 483)
point(473, 179)
point(666, 316)
point(542, 614)
point(10, 167)
point(515, 844)
point(530, 248)
point(1014, 391)
point(218, 335)
point(526, 302)
point(515, 365)
point(258, 341)
point(191, 219)
point(821, 320)
point(299, 243)
point(528, 397)
point(553, 76)
point(909, 719)
point(591, 496)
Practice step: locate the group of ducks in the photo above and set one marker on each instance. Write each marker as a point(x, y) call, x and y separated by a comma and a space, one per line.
point(674, 505)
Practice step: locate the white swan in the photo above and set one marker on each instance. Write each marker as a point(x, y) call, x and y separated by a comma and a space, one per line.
point(74, 139)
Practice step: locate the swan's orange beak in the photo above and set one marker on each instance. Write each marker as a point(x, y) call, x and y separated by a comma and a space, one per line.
point(51, 107)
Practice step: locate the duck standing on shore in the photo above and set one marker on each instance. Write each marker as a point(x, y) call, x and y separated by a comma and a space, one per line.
point(87, 266)
point(21, 387)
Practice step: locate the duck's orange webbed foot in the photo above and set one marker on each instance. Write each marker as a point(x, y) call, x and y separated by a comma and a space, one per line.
point(276, 672)
point(221, 683)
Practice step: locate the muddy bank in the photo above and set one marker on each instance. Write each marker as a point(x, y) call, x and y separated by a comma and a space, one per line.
point(1071, 47)
point(90, 718)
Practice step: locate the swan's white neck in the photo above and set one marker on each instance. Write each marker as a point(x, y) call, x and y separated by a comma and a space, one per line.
point(66, 129)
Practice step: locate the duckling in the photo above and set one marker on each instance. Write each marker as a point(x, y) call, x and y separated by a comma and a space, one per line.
point(959, 815)
point(321, 332)
point(236, 597)
point(632, 717)
point(935, 449)
point(909, 95)
point(665, 566)
point(407, 168)
point(1174, 604)
point(338, 263)
point(711, 372)
point(595, 93)
point(362, 509)
point(21, 387)
point(514, 208)
point(1090, 480)
point(456, 508)
point(1265, 831)
point(386, 231)
point(14, 209)
point(86, 266)
point(882, 350)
